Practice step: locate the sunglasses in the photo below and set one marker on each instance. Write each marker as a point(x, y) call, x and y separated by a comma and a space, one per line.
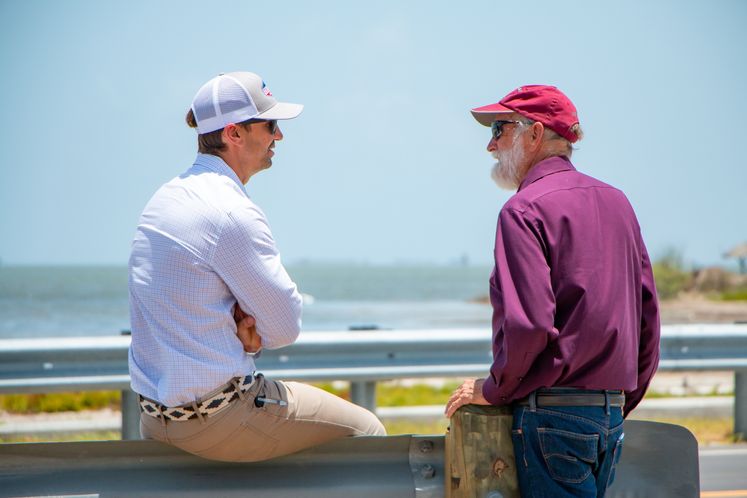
point(497, 128)
point(272, 124)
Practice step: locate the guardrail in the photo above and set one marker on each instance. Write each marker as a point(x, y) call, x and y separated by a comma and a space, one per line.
point(659, 460)
point(361, 357)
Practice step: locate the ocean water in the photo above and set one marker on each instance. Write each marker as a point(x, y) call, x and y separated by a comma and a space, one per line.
point(67, 301)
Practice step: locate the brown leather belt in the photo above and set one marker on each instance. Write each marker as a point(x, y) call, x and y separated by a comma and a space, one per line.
point(575, 398)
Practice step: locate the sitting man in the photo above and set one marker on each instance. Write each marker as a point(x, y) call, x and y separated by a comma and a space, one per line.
point(204, 268)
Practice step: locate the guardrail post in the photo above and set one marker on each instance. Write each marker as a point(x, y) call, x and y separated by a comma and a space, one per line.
point(740, 403)
point(479, 455)
point(130, 415)
point(363, 393)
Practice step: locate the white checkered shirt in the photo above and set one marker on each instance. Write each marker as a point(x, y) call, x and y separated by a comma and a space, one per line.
point(202, 245)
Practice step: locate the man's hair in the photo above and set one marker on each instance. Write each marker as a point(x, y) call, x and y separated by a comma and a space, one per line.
point(566, 149)
point(212, 142)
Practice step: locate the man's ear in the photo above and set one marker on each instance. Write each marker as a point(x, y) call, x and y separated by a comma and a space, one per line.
point(538, 131)
point(231, 133)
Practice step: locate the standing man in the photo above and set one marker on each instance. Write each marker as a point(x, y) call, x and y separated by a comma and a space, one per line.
point(575, 313)
point(204, 268)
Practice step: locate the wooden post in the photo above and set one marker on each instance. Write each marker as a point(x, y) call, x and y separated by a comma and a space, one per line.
point(479, 454)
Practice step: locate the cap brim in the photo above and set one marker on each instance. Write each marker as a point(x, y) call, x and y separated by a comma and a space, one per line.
point(487, 114)
point(281, 110)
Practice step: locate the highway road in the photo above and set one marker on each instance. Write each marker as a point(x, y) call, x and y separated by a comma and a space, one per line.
point(723, 472)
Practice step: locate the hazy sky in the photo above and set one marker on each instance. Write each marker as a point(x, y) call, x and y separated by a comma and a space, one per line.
point(385, 164)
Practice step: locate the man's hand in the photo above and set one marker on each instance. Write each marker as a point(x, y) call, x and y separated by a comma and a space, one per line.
point(246, 330)
point(469, 393)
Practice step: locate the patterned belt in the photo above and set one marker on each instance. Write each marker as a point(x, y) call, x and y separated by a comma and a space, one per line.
point(206, 407)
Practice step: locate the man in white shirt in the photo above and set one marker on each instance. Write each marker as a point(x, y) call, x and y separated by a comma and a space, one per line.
point(208, 291)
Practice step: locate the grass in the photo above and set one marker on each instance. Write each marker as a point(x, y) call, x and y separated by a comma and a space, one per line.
point(437, 426)
point(398, 394)
point(712, 393)
point(387, 394)
point(60, 402)
point(394, 394)
point(670, 275)
point(706, 430)
point(735, 295)
point(62, 437)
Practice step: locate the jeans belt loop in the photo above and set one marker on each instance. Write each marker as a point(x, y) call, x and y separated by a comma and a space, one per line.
point(607, 402)
point(533, 401)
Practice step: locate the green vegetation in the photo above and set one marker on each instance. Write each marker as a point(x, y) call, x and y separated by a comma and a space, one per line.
point(62, 437)
point(404, 426)
point(712, 392)
point(387, 394)
point(397, 394)
point(394, 394)
point(734, 295)
point(673, 277)
point(670, 275)
point(59, 402)
point(706, 430)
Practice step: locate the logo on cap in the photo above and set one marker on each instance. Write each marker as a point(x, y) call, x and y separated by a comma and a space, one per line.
point(266, 90)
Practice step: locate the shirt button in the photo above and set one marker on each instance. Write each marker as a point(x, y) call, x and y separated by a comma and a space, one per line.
point(503, 398)
point(521, 378)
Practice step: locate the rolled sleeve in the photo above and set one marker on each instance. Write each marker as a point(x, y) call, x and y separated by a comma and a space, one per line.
point(248, 261)
point(524, 304)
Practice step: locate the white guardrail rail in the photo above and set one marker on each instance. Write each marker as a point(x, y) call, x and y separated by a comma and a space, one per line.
point(361, 357)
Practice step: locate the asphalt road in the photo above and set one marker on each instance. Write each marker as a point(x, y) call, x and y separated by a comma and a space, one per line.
point(723, 472)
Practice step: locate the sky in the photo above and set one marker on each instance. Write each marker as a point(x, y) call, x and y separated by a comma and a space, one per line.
point(385, 164)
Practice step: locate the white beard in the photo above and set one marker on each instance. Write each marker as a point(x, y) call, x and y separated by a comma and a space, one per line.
point(505, 172)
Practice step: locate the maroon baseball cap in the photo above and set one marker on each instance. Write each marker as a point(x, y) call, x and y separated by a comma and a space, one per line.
point(542, 103)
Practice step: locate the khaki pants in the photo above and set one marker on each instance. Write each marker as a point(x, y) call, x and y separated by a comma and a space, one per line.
point(242, 432)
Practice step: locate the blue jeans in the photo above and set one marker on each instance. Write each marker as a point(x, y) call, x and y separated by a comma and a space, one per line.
point(566, 451)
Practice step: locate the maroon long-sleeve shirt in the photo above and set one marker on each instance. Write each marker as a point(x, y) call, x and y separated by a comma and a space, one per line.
point(573, 294)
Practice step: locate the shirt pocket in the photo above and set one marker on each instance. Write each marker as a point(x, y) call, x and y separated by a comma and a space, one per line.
point(569, 456)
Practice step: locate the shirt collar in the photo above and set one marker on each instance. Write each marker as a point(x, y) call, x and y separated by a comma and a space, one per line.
point(546, 167)
point(218, 165)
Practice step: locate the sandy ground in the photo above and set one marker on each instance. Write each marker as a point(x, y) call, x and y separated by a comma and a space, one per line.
point(696, 308)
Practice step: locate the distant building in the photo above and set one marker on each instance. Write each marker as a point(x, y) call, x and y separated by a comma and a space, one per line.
point(739, 253)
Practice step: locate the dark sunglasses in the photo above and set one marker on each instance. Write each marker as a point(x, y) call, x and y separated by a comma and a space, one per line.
point(497, 128)
point(272, 124)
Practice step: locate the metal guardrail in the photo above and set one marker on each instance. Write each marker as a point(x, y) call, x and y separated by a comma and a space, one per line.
point(659, 460)
point(362, 357)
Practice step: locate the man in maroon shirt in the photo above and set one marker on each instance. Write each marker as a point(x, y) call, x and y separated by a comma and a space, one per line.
point(575, 314)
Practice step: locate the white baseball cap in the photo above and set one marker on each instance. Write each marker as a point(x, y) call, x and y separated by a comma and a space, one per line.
point(234, 98)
